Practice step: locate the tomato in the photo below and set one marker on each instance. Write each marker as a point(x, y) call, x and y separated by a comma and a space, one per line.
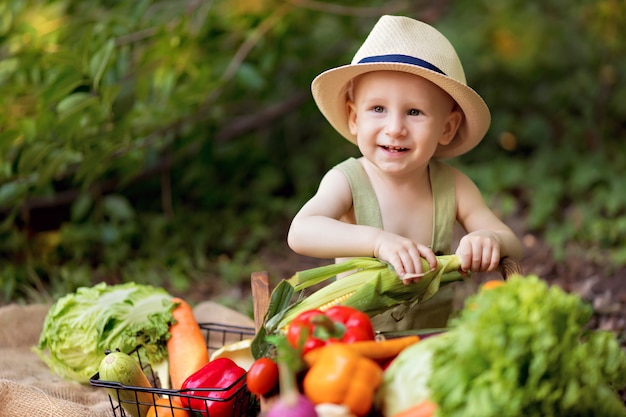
point(262, 376)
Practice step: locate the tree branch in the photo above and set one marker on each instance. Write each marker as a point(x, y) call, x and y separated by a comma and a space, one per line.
point(235, 128)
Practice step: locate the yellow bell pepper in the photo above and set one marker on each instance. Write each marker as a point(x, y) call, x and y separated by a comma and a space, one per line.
point(339, 375)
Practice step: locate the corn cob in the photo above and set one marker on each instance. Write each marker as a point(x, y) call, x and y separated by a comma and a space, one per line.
point(336, 301)
point(373, 288)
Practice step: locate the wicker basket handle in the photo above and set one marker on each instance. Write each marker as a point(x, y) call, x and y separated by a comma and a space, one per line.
point(260, 281)
point(509, 267)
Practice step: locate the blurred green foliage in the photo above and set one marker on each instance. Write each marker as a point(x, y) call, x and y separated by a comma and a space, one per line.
point(171, 141)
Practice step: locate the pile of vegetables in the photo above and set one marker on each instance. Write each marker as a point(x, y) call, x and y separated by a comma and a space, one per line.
point(517, 348)
point(338, 362)
point(108, 330)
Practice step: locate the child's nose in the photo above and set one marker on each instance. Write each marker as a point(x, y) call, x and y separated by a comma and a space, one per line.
point(395, 126)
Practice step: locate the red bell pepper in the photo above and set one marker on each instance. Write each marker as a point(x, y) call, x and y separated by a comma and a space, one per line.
point(314, 328)
point(220, 373)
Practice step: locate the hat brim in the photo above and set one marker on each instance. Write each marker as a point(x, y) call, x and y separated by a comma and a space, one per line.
point(330, 93)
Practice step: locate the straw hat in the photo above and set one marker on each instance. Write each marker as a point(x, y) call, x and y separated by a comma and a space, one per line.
point(403, 44)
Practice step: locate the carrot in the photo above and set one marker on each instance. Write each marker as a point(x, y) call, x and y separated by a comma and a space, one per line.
point(488, 285)
point(186, 347)
point(377, 350)
point(383, 349)
point(426, 408)
point(170, 407)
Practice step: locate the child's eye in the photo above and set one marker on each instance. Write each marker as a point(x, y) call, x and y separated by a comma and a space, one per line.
point(414, 112)
point(378, 109)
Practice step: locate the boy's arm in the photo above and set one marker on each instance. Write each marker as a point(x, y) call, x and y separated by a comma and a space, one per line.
point(317, 231)
point(488, 239)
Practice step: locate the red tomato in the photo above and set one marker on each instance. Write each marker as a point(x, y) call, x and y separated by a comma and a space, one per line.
point(262, 376)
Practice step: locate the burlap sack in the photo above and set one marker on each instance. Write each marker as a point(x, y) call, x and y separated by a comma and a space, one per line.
point(29, 388)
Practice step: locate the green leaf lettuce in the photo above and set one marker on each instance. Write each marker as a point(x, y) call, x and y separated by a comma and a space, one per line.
point(520, 349)
point(81, 326)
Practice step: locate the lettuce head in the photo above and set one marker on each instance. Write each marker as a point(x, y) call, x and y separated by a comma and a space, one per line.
point(80, 326)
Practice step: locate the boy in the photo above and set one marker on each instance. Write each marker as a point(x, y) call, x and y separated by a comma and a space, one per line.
point(404, 102)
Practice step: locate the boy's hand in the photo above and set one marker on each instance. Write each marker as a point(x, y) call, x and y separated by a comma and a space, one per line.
point(404, 255)
point(479, 251)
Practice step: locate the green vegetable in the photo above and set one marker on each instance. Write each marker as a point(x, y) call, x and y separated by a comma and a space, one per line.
point(520, 349)
point(122, 368)
point(405, 381)
point(81, 326)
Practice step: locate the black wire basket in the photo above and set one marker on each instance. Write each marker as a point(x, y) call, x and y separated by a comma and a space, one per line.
point(126, 402)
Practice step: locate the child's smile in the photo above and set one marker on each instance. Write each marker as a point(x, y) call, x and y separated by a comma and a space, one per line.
point(393, 149)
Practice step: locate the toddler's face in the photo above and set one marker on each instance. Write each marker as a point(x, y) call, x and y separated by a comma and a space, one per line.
point(399, 119)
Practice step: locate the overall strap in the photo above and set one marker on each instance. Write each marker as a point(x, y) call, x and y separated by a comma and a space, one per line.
point(444, 205)
point(366, 208)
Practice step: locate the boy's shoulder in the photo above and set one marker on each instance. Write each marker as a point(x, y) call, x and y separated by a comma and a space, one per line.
point(350, 163)
point(442, 166)
point(353, 171)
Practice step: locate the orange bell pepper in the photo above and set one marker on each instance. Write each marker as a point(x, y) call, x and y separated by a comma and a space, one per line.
point(339, 375)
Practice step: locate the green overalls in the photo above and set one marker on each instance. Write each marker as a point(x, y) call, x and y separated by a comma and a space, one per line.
point(435, 312)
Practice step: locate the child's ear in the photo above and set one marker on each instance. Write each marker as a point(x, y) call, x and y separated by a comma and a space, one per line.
point(452, 125)
point(351, 109)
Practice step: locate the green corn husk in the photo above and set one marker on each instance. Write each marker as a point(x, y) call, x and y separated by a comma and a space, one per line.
point(374, 285)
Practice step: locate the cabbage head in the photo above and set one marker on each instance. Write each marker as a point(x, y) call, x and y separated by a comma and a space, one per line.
point(80, 326)
point(405, 381)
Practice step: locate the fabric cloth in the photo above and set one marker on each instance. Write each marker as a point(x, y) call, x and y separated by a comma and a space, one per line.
point(435, 312)
point(29, 388)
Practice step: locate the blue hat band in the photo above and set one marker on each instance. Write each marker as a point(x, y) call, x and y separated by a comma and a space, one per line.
point(401, 59)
